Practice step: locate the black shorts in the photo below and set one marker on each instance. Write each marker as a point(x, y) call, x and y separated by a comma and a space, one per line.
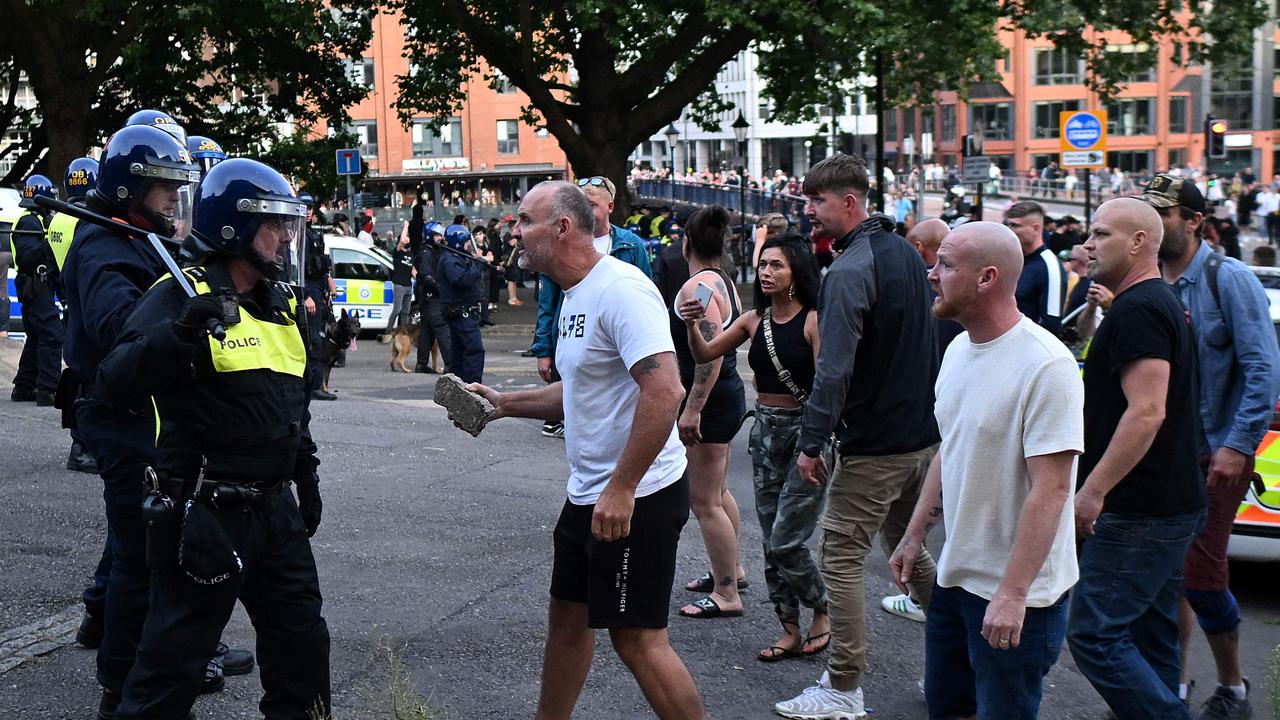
point(625, 583)
point(723, 412)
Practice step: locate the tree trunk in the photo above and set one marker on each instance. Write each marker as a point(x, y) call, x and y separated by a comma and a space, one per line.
point(68, 136)
point(608, 159)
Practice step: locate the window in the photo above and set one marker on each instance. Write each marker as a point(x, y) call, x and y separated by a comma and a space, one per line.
point(1131, 116)
point(891, 124)
point(1007, 59)
point(1056, 67)
point(1275, 61)
point(909, 122)
point(1177, 157)
point(1177, 113)
point(948, 117)
point(366, 132)
point(1046, 119)
point(996, 120)
point(1275, 112)
point(508, 137)
point(355, 265)
point(1231, 94)
point(444, 142)
point(360, 70)
point(1143, 57)
point(502, 85)
point(1134, 162)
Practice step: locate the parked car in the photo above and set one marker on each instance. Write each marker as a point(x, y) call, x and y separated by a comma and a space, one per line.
point(9, 214)
point(1256, 532)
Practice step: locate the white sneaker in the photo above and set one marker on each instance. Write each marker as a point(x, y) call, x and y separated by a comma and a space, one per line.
point(823, 702)
point(903, 606)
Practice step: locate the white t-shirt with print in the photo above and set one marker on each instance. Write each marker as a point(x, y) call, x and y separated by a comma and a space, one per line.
point(999, 403)
point(609, 321)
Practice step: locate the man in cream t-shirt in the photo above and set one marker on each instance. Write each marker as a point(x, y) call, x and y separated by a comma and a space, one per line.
point(628, 498)
point(1010, 408)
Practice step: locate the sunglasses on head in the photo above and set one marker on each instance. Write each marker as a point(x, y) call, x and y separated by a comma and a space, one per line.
point(595, 181)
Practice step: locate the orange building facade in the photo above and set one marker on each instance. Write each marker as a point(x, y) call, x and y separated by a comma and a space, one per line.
point(484, 153)
point(1155, 122)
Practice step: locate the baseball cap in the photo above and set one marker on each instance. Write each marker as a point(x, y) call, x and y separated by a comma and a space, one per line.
point(1166, 191)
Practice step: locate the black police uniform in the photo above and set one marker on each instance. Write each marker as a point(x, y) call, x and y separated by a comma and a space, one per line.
point(233, 412)
point(434, 327)
point(318, 269)
point(103, 277)
point(460, 298)
point(36, 281)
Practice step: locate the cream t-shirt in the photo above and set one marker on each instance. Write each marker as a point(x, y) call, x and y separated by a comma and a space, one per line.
point(999, 403)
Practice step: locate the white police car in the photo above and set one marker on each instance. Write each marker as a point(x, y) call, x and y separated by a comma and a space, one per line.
point(362, 275)
point(9, 214)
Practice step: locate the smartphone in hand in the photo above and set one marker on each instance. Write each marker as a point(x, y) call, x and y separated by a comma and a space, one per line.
point(703, 295)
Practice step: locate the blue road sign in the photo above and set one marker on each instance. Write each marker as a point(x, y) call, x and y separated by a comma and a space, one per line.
point(348, 162)
point(1083, 131)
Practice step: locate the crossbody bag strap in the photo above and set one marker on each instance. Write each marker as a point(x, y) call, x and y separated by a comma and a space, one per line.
point(783, 374)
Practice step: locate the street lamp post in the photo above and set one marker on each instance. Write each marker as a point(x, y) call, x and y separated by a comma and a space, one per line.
point(671, 133)
point(740, 133)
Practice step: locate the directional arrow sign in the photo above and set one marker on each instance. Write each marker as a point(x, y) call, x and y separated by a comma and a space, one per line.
point(1083, 158)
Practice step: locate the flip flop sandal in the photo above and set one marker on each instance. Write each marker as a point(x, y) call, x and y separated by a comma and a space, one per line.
point(777, 652)
point(705, 585)
point(709, 610)
point(826, 637)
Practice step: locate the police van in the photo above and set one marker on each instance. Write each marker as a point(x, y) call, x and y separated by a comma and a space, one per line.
point(362, 275)
point(1256, 532)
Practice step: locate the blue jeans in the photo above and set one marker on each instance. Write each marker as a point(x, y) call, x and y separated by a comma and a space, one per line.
point(1124, 612)
point(964, 675)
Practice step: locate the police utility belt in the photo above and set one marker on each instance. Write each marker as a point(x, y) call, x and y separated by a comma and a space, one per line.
point(222, 494)
point(455, 312)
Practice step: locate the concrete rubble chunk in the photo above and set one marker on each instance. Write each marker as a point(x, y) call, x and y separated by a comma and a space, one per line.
point(468, 410)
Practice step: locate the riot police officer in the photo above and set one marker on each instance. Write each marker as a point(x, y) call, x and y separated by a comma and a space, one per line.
point(80, 178)
point(434, 328)
point(36, 280)
point(159, 119)
point(233, 436)
point(318, 277)
point(146, 177)
point(460, 298)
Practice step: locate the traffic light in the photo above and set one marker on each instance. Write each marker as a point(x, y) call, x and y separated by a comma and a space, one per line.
point(1215, 137)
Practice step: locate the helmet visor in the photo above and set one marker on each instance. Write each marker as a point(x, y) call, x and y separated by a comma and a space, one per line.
point(183, 211)
point(279, 238)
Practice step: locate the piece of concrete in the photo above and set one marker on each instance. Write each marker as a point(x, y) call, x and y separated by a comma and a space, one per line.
point(468, 410)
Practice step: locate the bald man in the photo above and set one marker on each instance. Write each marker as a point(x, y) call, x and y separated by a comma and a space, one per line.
point(925, 237)
point(1143, 498)
point(1010, 407)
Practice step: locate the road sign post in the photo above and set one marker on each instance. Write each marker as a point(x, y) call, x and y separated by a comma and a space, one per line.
point(1082, 140)
point(348, 162)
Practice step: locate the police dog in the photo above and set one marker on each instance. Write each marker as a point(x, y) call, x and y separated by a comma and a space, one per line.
point(404, 340)
point(339, 335)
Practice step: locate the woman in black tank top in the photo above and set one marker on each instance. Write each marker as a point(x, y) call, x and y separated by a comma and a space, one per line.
point(788, 508)
point(713, 409)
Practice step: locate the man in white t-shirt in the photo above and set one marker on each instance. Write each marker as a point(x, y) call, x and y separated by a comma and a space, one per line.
point(1010, 407)
point(628, 498)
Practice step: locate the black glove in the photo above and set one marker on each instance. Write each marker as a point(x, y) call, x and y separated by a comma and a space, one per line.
point(430, 285)
point(193, 321)
point(309, 503)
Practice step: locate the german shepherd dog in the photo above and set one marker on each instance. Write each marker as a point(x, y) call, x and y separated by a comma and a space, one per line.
point(339, 335)
point(404, 340)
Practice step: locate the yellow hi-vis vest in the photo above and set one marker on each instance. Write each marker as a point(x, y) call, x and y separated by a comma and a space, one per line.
point(62, 230)
point(13, 248)
point(254, 344)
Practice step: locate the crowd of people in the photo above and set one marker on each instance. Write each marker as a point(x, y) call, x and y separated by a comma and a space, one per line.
point(1088, 496)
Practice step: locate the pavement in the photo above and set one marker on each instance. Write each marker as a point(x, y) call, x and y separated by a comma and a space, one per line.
point(434, 559)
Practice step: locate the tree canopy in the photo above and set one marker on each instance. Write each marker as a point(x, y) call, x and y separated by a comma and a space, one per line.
point(228, 69)
point(603, 77)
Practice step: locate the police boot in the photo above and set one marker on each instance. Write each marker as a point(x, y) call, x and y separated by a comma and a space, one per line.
point(44, 398)
point(424, 369)
point(234, 662)
point(89, 634)
point(213, 678)
point(79, 460)
point(23, 393)
point(111, 701)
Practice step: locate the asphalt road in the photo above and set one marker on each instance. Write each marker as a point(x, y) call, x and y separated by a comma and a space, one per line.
point(436, 546)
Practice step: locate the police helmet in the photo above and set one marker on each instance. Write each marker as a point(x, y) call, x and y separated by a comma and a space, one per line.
point(434, 227)
point(36, 185)
point(205, 152)
point(456, 236)
point(138, 158)
point(162, 120)
point(240, 197)
point(81, 177)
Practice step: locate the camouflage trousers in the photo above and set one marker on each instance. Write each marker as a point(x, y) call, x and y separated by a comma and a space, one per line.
point(788, 509)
